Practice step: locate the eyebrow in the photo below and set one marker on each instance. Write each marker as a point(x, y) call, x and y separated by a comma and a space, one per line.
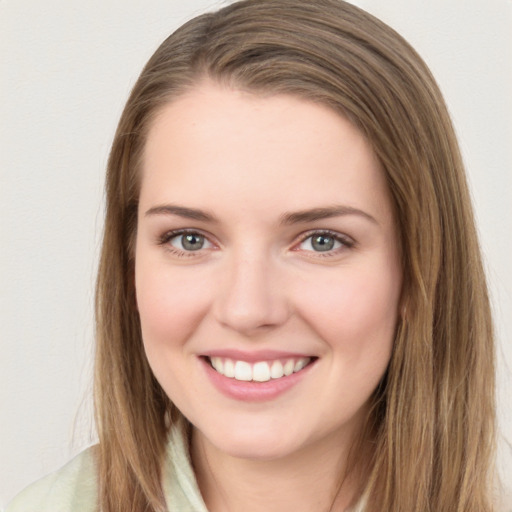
point(289, 218)
point(324, 213)
point(181, 211)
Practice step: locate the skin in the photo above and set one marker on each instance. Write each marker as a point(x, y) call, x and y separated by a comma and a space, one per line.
point(258, 283)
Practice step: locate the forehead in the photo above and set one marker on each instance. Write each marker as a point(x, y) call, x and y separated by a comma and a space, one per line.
point(219, 143)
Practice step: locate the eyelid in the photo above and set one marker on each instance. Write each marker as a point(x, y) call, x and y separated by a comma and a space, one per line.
point(182, 236)
point(166, 238)
point(346, 241)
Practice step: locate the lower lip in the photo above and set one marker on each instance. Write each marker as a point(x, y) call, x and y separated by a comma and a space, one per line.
point(254, 391)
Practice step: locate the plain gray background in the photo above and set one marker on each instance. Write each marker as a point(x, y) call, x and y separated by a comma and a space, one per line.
point(66, 69)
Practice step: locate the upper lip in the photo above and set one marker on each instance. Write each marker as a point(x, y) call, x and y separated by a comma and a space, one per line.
point(254, 356)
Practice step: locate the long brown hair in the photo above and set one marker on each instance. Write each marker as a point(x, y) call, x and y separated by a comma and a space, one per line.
point(432, 417)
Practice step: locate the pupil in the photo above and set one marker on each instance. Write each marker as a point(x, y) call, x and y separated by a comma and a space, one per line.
point(192, 242)
point(322, 243)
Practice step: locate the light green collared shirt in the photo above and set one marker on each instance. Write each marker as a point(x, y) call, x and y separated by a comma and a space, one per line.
point(73, 488)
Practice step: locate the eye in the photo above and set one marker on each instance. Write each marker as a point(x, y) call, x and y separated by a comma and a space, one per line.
point(189, 241)
point(324, 242)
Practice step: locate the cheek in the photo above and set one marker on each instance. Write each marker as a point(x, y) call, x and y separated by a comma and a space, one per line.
point(355, 311)
point(170, 304)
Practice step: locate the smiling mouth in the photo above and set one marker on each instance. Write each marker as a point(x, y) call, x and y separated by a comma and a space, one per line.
point(260, 371)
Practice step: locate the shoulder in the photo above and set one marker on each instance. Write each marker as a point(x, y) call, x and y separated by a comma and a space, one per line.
point(70, 489)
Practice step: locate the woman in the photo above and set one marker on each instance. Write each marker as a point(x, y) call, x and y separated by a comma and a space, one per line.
point(290, 290)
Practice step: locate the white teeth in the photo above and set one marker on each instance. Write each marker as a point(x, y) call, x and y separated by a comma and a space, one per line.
point(262, 371)
point(218, 364)
point(288, 367)
point(299, 365)
point(243, 371)
point(229, 368)
point(276, 370)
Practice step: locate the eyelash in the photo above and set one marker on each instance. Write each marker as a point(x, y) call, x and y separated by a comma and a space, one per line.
point(166, 238)
point(345, 241)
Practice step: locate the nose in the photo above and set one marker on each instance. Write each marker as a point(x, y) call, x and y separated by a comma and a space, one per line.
point(251, 298)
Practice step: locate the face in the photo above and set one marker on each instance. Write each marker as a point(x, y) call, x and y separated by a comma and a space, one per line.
point(267, 269)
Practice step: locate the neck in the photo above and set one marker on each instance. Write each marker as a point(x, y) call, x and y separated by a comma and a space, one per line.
point(317, 478)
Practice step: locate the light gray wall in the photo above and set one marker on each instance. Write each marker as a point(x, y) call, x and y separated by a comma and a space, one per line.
point(65, 71)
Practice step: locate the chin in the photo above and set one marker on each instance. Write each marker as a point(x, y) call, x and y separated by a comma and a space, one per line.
point(251, 449)
point(254, 442)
